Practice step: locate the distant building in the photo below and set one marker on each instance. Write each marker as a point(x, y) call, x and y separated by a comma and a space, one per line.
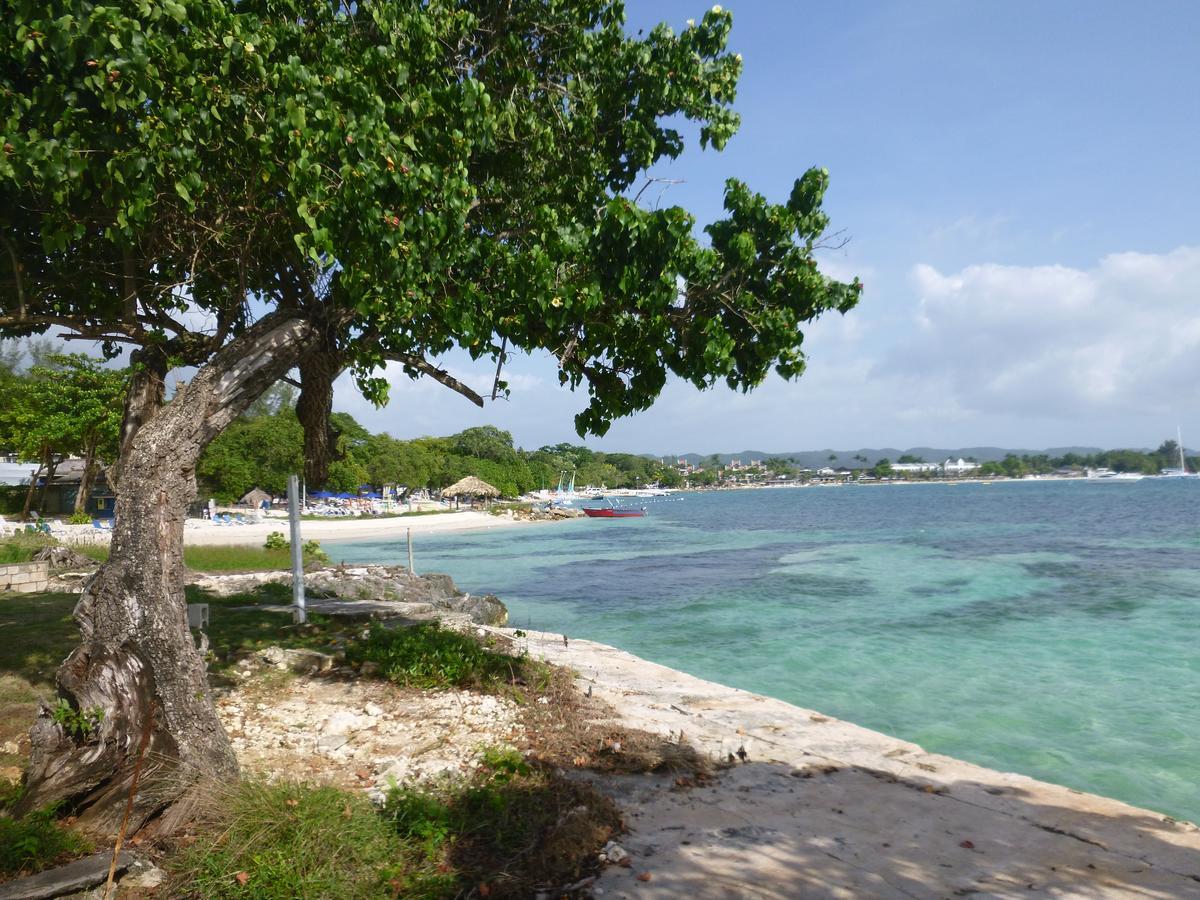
point(64, 488)
point(915, 468)
point(961, 467)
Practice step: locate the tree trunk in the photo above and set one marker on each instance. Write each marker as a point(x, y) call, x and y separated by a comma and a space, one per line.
point(50, 470)
point(318, 371)
point(43, 462)
point(88, 478)
point(137, 662)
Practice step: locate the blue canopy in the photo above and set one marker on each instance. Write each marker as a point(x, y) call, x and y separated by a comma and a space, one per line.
point(321, 494)
point(343, 495)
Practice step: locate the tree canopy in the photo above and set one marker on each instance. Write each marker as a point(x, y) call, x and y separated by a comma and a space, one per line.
point(403, 178)
point(240, 189)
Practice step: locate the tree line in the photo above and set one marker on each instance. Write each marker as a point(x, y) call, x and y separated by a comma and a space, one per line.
point(55, 406)
point(266, 445)
point(1146, 462)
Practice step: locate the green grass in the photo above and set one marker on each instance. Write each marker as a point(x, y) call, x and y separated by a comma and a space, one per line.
point(510, 826)
point(22, 546)
point(35, 842)
point(429, 656)
point(217, 558)
point(36, 634)
point(98, 552)
point(289, 841)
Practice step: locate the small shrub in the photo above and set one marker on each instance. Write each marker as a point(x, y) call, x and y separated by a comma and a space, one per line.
point(276, 541)
point(80, 518)
point(314, 554)
point(429, 656)
point(36, 841)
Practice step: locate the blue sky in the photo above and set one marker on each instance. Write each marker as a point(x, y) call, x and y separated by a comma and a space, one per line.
point(1018, 182)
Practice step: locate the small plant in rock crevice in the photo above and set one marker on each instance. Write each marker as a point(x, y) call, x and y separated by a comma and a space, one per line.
point(79, 723)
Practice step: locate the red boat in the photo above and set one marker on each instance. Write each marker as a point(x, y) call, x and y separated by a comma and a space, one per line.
point(612, 512)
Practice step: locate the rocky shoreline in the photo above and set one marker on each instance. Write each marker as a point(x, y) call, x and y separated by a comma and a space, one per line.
point(380, 592)
point(816, 807)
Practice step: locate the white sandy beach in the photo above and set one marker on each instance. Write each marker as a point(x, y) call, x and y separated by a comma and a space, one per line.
point(201, 532)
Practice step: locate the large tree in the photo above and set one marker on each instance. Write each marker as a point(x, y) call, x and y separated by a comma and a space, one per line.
point(252, 188)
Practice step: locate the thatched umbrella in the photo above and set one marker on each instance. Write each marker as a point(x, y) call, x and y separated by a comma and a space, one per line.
point(471, 487)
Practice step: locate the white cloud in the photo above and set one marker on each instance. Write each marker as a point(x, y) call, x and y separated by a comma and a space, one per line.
point(1118, 339)
point(1033, 356)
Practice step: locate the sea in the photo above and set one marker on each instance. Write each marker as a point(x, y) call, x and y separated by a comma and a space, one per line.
point(1045, 627)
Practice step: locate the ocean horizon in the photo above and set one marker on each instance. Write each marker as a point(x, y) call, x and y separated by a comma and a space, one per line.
point(1042, 627)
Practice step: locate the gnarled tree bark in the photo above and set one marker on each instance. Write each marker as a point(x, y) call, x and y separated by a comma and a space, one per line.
point(318, 370)
point(137, 658)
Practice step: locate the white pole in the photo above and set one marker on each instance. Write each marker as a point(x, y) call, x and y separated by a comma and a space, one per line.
point(298, 613)
point(410, 555)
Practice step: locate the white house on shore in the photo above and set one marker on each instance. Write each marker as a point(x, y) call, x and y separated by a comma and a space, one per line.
point(915, 468)
point(959, 468)
point(950, 468)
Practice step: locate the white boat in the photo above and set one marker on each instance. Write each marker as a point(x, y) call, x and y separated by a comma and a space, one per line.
point(1103, 474)
point(1182, 471)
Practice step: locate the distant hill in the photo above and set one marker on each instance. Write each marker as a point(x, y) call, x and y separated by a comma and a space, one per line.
point(812, 459)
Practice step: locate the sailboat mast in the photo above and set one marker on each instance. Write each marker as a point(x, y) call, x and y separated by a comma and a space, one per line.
point(1179, 441)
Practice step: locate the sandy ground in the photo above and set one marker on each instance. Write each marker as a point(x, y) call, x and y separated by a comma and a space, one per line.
point(203, 532)
point(825, 809)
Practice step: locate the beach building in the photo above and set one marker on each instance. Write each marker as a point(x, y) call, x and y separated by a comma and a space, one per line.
point(64, 488)
point(958, 468)
point(916, 468)
point(255, 499)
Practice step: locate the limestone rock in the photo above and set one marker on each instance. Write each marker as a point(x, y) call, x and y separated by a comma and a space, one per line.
point(297, 660)
point(147, 878)
point(485, 609)
point(71, 878)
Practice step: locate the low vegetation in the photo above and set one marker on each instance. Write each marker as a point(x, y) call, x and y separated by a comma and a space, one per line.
point(22, 546)
point(226, 559)
point(257, 840)
point(35, 842)
point(432, 657)
point(505, 830)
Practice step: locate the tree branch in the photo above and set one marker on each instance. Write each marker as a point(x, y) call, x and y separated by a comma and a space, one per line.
point(16, 264)
point(440, 375)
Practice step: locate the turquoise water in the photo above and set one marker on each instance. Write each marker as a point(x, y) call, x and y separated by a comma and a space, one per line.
point(1048, 628)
